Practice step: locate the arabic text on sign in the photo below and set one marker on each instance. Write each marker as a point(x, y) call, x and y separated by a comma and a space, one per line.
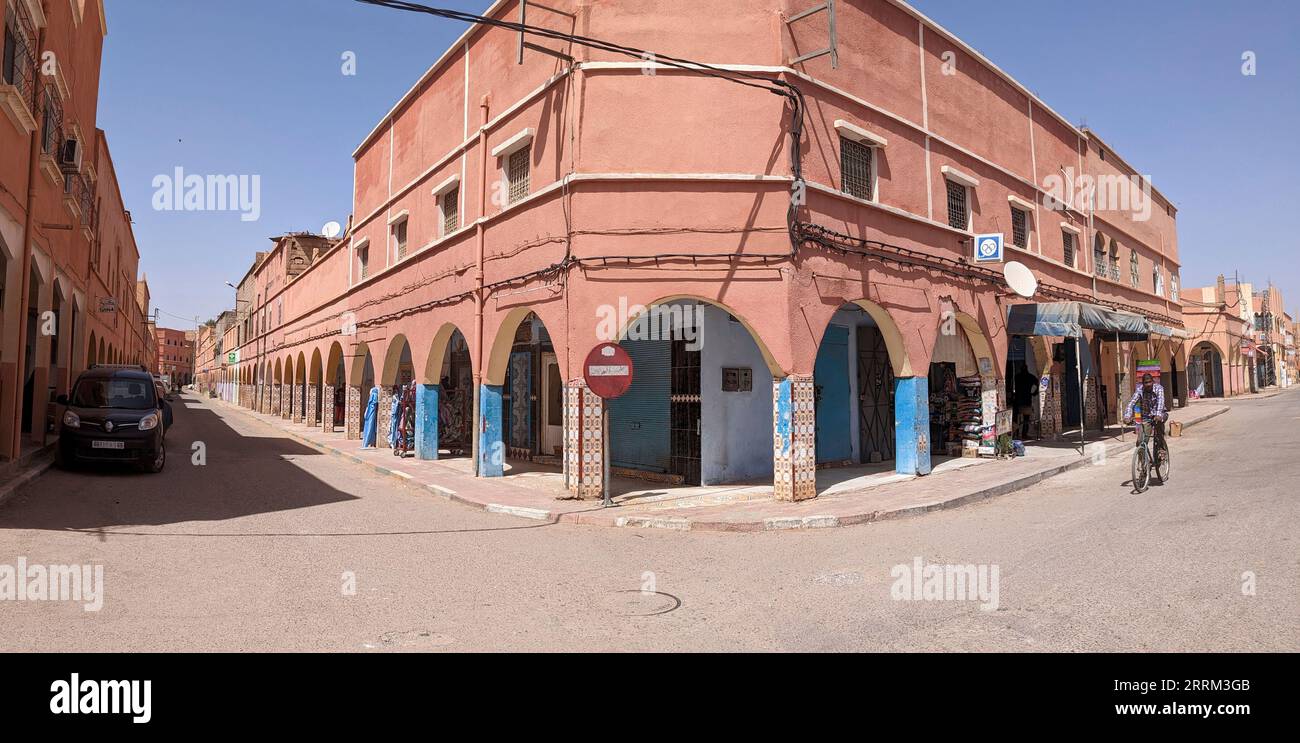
point(608, 370)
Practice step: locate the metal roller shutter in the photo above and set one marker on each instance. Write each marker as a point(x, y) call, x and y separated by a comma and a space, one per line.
point(639, 420)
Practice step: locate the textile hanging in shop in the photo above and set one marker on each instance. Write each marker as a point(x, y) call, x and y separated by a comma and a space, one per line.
point(393, 419)
point(1085, 359)
point(369, 432)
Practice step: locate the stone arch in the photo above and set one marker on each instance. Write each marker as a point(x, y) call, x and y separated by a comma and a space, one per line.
point(763, 348)
point(498, 360)
point(438, 348)
point(315, 369)
point(398, 346)
point(357, 367)
point(333, 359)
point(889, 330)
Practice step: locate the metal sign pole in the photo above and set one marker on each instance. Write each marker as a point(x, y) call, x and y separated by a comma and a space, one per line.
point(607, 499)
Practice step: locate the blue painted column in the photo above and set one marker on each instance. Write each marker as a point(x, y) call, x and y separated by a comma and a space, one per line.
point(426, 421)
point(912, 425)
point(491, 449)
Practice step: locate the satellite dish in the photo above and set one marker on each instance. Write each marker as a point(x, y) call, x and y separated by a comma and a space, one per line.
point(331, 230)
point(1020, 279)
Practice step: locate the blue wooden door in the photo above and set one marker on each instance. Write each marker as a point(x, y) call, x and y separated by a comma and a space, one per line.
point(831, 377)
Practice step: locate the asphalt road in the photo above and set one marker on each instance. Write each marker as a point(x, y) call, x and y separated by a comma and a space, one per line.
point(257, 548)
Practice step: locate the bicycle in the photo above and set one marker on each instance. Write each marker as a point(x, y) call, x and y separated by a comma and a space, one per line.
point(1145, 455)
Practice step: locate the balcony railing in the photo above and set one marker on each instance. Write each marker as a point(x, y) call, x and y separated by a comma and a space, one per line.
point(82, 193)
point(51, 121)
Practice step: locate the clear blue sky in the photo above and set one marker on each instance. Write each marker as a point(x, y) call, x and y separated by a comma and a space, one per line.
point(256, 87)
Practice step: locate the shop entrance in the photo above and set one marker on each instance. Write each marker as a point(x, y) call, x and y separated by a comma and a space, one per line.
point(875, 396)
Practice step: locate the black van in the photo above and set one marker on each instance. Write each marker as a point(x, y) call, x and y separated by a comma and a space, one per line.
point(114, 415)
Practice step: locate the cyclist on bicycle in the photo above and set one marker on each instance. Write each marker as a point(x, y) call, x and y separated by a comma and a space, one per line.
point(1150, 401)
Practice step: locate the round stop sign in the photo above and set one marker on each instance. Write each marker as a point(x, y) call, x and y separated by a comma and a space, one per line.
point(608, 371)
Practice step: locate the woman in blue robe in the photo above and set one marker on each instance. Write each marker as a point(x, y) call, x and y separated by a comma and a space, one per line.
point(369, 432)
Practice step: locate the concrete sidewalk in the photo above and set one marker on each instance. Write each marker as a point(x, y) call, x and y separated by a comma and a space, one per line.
point(530, 491)
point(33, 463)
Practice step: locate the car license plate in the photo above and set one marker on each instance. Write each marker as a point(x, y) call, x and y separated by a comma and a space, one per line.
point(108, 445)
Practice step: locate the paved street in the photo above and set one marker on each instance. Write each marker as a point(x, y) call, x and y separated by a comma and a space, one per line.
point(250, 552)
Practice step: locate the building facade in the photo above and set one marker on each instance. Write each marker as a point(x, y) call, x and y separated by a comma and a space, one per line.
point(175, 356)
point(1270, 338)
point(783, 244)
point(68, 256)
point(211, 357)
point(1221, 348)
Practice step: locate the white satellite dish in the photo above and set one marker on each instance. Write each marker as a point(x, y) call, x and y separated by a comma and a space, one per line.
point(331, 230)
point(1020, 279)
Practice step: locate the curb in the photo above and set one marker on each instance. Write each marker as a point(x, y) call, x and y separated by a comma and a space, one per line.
point(10, 487)
point(774, 523)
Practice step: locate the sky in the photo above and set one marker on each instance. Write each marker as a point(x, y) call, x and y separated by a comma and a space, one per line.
point(257, 88)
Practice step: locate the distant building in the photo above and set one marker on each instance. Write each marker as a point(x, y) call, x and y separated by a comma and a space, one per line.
point(175, 355)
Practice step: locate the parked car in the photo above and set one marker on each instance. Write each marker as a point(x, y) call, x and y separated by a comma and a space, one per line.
point(114, 414)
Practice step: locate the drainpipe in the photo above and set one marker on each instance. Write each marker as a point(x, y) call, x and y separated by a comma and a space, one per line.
point(484, 104)
point(33, 154)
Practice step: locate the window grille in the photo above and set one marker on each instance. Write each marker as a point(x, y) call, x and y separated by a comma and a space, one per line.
point(1019, 228)
point(958, 214)
point(451, 211)
point(855, 169)
point(518, 175)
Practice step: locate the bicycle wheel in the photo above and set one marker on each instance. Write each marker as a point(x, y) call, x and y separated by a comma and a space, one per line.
point(1162, 464)
point(1141, 469)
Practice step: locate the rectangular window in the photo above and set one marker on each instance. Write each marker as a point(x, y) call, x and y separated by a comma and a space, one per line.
point(1019, 228)
point(958, 212)
point(1135, 276)
point(10, 67)
point(399, 239)
point(451, 210)
point(19, 62)
point(1068, 239)
point(517, 174)
point(856, 169)
point(363, 259)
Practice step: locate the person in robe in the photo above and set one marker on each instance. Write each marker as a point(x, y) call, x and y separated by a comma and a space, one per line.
point(370, 428)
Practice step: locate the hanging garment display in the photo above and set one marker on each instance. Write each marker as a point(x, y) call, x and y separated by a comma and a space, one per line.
point(405, 425)
point(394, 410)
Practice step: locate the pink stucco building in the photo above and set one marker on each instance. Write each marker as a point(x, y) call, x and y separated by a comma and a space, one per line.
point(819, 303)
